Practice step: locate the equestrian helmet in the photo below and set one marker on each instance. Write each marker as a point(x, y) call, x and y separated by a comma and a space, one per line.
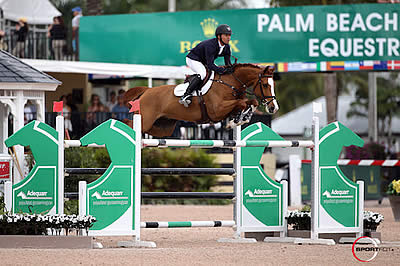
point(223, 29)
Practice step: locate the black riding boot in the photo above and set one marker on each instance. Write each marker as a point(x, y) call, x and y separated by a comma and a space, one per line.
point(194, 83)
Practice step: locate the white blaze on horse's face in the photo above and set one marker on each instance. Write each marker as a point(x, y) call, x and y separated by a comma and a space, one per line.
point(273, 106)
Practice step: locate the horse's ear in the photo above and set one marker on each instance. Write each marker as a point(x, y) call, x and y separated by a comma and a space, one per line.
point(266, 70)
point(269, 70)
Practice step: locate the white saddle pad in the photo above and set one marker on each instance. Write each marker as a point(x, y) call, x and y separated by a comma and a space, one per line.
point(181, 88)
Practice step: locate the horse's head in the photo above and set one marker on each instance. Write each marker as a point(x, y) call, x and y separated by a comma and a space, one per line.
point(264, 89)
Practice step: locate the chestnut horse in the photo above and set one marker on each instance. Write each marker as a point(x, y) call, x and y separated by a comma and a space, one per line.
point(227, 96)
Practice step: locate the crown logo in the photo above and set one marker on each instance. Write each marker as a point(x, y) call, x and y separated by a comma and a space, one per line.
point(209, 25)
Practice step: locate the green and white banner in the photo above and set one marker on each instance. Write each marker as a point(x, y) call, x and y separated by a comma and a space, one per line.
point(291, 34)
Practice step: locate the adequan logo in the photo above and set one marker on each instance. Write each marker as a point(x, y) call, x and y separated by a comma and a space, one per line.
point(208, 26)
point(106, 194)
point(33, 195)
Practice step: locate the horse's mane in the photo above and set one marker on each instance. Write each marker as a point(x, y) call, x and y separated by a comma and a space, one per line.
point(248, 65)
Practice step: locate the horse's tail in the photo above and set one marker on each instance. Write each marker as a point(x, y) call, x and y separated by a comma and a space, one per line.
point(134, 93)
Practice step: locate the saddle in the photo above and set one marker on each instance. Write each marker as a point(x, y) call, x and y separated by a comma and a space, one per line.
point(203, 89)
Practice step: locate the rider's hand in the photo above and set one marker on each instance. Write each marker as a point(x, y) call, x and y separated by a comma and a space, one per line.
point(229, 70)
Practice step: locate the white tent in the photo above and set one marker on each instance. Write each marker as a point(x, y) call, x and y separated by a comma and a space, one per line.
point(127, 70)
point(35, 11)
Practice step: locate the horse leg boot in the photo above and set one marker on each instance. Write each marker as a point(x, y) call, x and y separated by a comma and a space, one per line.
point(247, 114)
point(194, 83)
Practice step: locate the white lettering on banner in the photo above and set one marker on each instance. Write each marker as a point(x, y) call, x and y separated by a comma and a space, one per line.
point(331, 22)
point(358, 23)
point(393, 22)
point(275, 23)
point(262, 20)
point(344, 22)
point(287, 24)
point(369, 19)
point(357, 47)
point(37, 193)
point(373, 22)
point(112, 193)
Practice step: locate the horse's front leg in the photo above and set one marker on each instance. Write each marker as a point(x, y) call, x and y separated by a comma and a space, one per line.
point(237, 113)
point(248, 112)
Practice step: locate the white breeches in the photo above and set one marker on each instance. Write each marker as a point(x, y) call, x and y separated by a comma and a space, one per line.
point(197, 67)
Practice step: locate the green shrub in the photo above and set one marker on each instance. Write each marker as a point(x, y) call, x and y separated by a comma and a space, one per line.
point(151, 158)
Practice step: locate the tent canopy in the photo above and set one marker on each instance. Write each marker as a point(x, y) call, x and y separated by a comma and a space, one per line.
point(127, 70)
point(35, 11)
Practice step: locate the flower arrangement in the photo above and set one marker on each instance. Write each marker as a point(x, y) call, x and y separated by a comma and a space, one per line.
point(394, 188)
point(36, 224)
point(301, 220)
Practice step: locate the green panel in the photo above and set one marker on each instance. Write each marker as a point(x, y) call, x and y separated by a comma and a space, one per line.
point(37, 192)
point(112, 194)
point(339, 196)
point(291, 34)
point(262, 196)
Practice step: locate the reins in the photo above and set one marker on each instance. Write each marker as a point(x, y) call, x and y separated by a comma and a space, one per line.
point(245, 89)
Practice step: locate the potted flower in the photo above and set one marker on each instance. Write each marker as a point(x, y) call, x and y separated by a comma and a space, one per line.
point(394, 198)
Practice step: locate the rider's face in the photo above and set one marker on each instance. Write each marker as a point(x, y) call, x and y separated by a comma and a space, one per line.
point(225, 38)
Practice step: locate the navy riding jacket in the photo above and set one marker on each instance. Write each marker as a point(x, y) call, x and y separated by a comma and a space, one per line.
point(207, 51)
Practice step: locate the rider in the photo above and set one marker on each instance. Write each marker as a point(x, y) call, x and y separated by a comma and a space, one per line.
point(203, 55)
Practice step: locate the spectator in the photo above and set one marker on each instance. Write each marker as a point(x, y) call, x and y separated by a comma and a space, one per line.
point(3, 45)
point(21, 30)
point(113, 101)
point(57, 33)
point(67, 115)
point(121, 92)
point(120, 111)
point(75, 118)
point(95, 112)
point(29, 112)
point(77, 12)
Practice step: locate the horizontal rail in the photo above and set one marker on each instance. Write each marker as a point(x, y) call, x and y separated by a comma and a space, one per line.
point(209, 143)
point(187, 224)
point(225, 143)
point(158, 171)
point(77, 143)
point(172, 195)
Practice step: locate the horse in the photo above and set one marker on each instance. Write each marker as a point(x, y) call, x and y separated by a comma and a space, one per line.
point(226, 97)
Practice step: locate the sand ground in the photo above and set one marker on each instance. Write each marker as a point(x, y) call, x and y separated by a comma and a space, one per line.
point(199, 246)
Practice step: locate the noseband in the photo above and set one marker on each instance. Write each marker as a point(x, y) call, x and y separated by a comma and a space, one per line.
point(264, 99)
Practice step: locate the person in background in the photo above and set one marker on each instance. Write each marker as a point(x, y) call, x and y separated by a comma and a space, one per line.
point(96, 112)
point(75, 118)
point(67, 112)
point(29, 112)
point(3, 45)
point(21, 30)
point(121, 92)
point(57, 33)
point(113, 101)
point(77, 13)
point(120, 111)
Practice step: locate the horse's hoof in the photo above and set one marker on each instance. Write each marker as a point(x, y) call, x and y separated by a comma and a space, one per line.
point(230, 124)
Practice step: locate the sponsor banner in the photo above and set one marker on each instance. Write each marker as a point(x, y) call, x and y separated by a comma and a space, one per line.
point(334, 33)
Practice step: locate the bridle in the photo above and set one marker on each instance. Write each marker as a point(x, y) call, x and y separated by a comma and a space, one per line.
point(245, 89)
